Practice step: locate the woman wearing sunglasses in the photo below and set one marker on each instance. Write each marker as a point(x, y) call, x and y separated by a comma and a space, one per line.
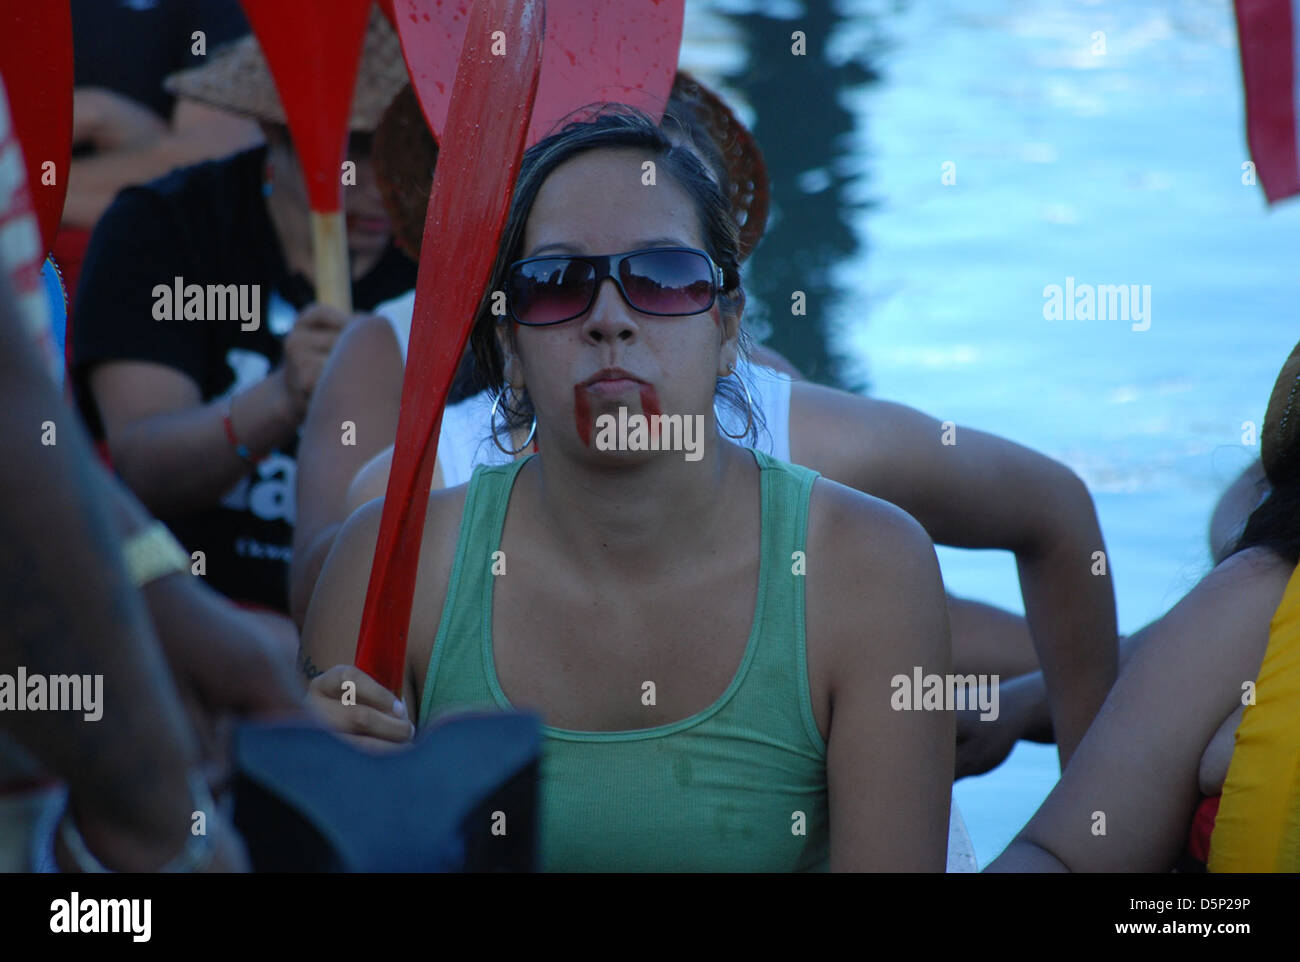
point(985, 492)
point(710, 642)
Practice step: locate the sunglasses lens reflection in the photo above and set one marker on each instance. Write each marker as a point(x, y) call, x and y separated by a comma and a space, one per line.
point(667, 282)
point(672, 283)
point(551, 290)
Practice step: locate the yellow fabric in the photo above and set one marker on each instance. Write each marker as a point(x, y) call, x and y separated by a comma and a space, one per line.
point(1258, 825)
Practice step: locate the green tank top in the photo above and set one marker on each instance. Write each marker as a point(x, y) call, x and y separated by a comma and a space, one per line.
point(739, 786)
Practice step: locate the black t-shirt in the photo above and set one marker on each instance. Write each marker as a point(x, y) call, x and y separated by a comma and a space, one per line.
point(209, 226)
point(130, 46)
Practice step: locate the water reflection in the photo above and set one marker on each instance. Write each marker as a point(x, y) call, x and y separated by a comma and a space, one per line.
point(803, 130)
point(1071, 167)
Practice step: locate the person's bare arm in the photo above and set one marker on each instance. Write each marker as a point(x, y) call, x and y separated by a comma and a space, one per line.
point(361, 384)
point(1127, 799)
point(874, 590)
point(169, 447)
point(982, 491)
point(71, 610)
point(133, 146)
point(333, 623)
point(172, 449)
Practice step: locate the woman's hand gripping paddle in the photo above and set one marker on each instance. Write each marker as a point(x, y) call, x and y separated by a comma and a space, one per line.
point(491, 104)
point(313, 50)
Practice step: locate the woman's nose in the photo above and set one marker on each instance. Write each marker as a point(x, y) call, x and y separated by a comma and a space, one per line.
point(610, 317)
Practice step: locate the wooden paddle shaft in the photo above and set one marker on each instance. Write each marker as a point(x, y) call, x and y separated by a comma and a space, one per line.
point(329, 242)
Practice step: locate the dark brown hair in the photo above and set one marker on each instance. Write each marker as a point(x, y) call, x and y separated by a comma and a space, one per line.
point(1275, 524)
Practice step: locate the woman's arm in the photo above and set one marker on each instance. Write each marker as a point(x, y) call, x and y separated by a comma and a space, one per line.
point(169, 447)
point(973, 490)
point(876, 609)
point(1127, 799)
point(333, 623)
point(346, 698)
point(361, 384)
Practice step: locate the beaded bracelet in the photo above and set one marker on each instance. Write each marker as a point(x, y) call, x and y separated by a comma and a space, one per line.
point(240, 448)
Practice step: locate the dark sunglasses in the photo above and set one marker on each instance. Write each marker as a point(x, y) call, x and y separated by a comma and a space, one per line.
point(663, 281)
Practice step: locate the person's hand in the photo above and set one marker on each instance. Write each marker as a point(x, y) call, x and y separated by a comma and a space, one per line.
point(306, 348)
point(109, 121)
point(355, 705)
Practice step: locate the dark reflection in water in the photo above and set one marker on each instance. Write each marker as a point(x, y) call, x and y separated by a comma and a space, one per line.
point(802, 130)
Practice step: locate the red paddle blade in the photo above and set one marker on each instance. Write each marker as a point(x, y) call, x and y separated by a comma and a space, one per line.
point(595, 51)
point(488, 118)
point(313, 49)
point(36, 63)
point(608, 51)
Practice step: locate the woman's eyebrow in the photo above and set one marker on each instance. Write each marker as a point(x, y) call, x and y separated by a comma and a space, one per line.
point(556, 247)
point(563, 248)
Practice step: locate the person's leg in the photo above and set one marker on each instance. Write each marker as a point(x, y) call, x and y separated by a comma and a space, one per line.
point(989, 641)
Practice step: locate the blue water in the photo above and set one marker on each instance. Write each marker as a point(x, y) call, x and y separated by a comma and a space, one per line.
point(1115, 168)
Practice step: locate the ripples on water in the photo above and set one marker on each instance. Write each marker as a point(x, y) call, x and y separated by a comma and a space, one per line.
point(1115, 168)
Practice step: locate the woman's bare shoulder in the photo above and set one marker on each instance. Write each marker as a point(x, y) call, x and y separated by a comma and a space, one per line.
point(1246, 586)
point(370, 337)
point(440, 531)
point(1231, 608)
point(874, 589)
point(860, 535)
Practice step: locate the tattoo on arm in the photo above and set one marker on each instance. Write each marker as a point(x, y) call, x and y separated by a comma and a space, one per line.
point(305, 663)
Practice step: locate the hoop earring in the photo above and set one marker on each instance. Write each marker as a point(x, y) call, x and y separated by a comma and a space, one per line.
point(749, 407)
point(492, 425)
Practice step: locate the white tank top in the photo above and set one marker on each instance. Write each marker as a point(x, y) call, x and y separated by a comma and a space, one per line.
point(466, 440)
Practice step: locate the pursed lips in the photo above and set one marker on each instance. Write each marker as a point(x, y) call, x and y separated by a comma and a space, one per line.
point(612, 382)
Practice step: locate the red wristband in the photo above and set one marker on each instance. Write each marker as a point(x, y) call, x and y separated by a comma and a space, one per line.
point(240, 448)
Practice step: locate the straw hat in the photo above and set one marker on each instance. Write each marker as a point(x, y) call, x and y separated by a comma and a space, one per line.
point(728, 145)
point(405, 153)
point(237, 79)
point(1280, 440)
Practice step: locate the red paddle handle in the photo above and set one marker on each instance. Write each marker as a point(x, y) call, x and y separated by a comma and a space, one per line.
point(313, 50)
point(36, 64)
point(488, 119)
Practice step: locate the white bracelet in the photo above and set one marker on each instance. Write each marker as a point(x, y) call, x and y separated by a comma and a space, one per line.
point(195, 857)
point(153, 553)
